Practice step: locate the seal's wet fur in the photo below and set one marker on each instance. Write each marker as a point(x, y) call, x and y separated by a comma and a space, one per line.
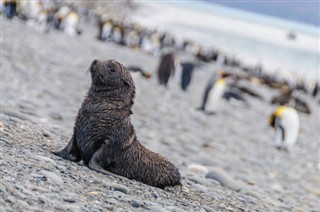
point(104, 137)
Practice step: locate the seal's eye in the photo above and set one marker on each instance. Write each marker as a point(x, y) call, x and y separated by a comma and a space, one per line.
point(111, 69)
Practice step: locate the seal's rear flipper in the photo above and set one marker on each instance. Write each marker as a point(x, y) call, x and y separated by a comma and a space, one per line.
point(94, 164)
point(70, 152)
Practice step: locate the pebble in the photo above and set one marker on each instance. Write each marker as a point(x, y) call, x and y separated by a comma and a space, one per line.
point(43, 158)
point(251, 193)
point(70, 200)
point(15, 120)
point(46, 133)
point(52, 176)
point(11, 199)
point(56, 116)
point(155, 194)
point(157, 209)
point(175, 209)
point(118, 187)
point(1, 125)
point(38, 188)
point(135, 203)
point(199, 180)
point(199, 188)
point(197, 169)
point(223, 178)
point(22, 203)
point(43, 199)
point(70, 207)
point(6, 140)
point(277, 187)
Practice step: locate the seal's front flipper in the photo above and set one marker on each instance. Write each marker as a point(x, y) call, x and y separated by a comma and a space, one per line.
point(70, 152)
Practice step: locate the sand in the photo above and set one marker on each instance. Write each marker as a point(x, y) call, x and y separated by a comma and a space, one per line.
point(43, 81)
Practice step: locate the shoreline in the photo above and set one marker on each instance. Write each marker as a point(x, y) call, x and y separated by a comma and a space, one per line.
point(180, 21)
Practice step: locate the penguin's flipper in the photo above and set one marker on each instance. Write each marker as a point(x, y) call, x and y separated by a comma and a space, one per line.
point(280, 133)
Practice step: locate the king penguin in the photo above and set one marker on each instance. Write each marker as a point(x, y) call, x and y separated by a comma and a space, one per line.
point(214, 92)
point(285, 121)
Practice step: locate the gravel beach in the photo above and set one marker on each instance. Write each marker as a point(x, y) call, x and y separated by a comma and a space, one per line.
point(228, 161)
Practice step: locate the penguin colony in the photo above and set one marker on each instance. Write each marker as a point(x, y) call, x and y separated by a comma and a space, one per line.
point(48, 16)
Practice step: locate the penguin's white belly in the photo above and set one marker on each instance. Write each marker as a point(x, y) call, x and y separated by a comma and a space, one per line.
point(215, 96)
point(290, 123)
point(106, 31)
point(71, 23)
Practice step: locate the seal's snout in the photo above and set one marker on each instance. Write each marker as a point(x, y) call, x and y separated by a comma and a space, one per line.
point(94, 63)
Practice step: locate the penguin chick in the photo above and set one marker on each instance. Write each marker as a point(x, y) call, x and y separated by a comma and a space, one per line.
point(285, 121)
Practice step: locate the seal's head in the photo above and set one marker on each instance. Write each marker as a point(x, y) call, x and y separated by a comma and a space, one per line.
point(111, 76)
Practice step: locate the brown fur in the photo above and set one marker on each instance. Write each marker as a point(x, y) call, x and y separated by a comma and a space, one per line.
point(104, 137)
point(166, 68)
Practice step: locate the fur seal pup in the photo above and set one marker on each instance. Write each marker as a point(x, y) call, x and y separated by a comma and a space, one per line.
point(285, 121)
point(104, 137)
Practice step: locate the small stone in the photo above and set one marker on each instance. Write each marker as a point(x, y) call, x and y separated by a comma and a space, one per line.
point(6, 140)
point(252, 193)
point(199, 188)
point(56, 116)
point(70, 200)
point(52, 176)
point(46, 133)
point(70, 207)
point(95, 193)
point(43, 158)
point(44, 200)
point(11, 199)
point(297, 209)
point(22, 203)
point(155, 194)
point(199, 180)
point(135, 203)
point(38, 188)
point(157, 209)
point(250, 182)
point(198, 169)
point(1, 125)
point(175, 209)
point(224, 179)
point(277, 187)
point(108, 207)
point(118, 187)
point(20, 195)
